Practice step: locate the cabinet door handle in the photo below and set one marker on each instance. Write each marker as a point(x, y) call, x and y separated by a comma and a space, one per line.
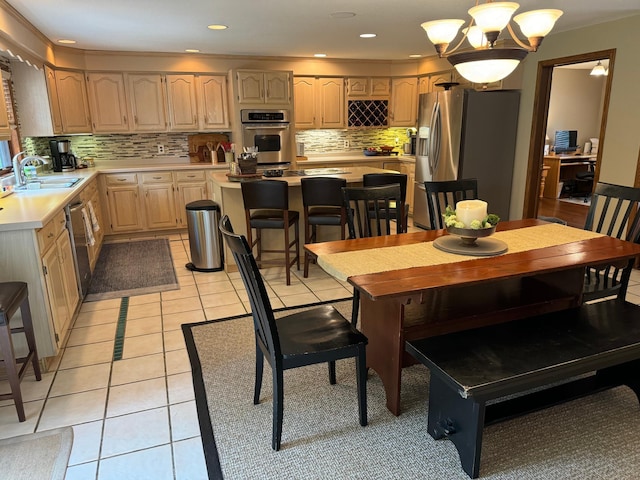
point(50, 235)
point(121, 179)
point(157, 178)
point(135, 119)
point(124, 119)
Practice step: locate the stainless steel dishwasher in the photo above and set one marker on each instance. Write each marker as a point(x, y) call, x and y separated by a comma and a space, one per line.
point(79, 242)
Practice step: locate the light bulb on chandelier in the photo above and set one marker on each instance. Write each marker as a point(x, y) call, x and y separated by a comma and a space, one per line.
point(487, 63)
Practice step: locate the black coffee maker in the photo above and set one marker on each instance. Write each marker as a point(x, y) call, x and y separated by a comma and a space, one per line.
point(63, 161)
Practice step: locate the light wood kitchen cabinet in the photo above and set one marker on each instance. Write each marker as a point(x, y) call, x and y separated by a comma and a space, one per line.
point(319, 102)
point(255, 87)
point(36, 97)
point(74, 104)
point(107, 102)
point(191, 186)
point(59, 274)
point(213, 106)
point(409, 169)
point(183, 107)
point(159, 200)
point(123, 206)
point(54, 101)
point(147, 102)
point(368, 87)
point(404, 102)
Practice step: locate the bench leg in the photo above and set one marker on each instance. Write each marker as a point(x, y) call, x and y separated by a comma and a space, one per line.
point(624, 374)
point(460, 420)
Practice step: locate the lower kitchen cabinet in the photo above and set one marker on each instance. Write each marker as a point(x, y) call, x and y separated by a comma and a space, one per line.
point(124, 211)
point(165, 195)
point(59, 274)
point(409, 169)
point(62, 286)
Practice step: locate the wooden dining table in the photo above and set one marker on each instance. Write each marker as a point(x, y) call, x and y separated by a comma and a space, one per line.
point(411, 290)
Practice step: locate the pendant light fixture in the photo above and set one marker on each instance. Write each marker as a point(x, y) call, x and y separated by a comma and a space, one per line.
point(598, 70)
point(487, 63)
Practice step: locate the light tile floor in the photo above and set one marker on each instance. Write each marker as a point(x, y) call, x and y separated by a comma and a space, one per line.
point(136, 417)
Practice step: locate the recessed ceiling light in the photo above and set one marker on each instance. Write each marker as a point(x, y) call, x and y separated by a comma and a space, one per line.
point(217, 27)
point(367, 35)
point(320, 55)
point(192, 50)
point(342, 14)
point(66, 41)
point(415, 55)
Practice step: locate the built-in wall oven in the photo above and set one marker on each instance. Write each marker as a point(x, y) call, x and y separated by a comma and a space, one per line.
point(270, 132)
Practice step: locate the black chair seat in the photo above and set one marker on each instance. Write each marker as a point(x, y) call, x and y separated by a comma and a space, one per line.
point(272, 218)
point(325, 216)
point(314, 332)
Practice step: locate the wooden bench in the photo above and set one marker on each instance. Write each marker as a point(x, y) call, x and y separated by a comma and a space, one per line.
point(590, 349)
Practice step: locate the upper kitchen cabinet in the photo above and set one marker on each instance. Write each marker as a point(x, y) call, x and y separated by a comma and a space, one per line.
point(213, 106)
point(40, 96)
point(183, 107)
point(319, 102)
point(146, 102)
point(368, 87)
point(74, 105)
point(404, 102)
point(108, 103)
point(256, 87)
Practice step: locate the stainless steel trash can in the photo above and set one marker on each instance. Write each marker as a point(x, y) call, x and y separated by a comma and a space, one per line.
point(205, 240)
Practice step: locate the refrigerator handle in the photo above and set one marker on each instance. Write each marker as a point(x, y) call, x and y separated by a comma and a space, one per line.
point(436, 136)
point(430, 152)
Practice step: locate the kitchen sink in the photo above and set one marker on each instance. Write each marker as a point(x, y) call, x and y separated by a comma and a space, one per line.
point(48, 183)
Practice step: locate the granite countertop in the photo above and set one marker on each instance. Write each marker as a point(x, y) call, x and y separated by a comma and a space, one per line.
point(30, 209)
point(353, 157)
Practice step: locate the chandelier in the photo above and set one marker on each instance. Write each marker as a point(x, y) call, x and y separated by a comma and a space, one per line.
point(486, 63)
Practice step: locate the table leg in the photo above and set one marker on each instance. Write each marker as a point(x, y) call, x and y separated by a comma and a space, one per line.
point(381, 322)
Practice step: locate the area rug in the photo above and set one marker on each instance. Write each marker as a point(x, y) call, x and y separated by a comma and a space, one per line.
point(594, 437)
point(42, 455)
point(133, 268)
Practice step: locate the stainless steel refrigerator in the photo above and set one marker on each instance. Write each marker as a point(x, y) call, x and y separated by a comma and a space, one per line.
point(467, 134)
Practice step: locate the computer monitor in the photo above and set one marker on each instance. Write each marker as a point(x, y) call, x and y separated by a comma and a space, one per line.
point(566, 141)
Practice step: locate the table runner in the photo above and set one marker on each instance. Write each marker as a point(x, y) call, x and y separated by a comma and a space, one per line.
point(347, 264)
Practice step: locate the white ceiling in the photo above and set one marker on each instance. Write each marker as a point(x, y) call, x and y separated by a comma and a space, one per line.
point(296, 28)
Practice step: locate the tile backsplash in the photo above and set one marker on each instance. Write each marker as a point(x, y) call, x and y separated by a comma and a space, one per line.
point(327, 141)
point(145, 146)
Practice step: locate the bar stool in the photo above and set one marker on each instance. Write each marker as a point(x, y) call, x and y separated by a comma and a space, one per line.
point(14, 295)
point(266, 205)
point(322, 200)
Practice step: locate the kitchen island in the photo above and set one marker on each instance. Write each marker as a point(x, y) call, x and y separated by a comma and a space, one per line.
point(228, 196)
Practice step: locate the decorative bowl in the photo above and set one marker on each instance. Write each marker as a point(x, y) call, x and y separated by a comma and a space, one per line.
point(370, 153)
point(470, 235)
point(386, 148)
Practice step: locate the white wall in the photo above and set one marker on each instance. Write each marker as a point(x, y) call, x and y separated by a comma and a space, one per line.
point(622, 142)
point(575, 103)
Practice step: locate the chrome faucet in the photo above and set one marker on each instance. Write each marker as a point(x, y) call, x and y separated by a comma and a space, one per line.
point(18, 166)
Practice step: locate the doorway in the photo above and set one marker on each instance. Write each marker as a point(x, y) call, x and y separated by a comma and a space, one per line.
point(539, 131)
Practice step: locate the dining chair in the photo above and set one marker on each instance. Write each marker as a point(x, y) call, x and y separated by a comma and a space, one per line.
point(380, 179)
point(322, 202)
point(614, 211)
point(266, 206)
point(312, 336)
point(360, 203)
point(448, 192)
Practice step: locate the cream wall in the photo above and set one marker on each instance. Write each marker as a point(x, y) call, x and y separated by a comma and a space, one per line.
point(621, 147)
point(575, 104)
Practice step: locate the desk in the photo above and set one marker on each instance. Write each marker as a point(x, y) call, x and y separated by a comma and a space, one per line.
point(418, 302)
point(562, 168)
